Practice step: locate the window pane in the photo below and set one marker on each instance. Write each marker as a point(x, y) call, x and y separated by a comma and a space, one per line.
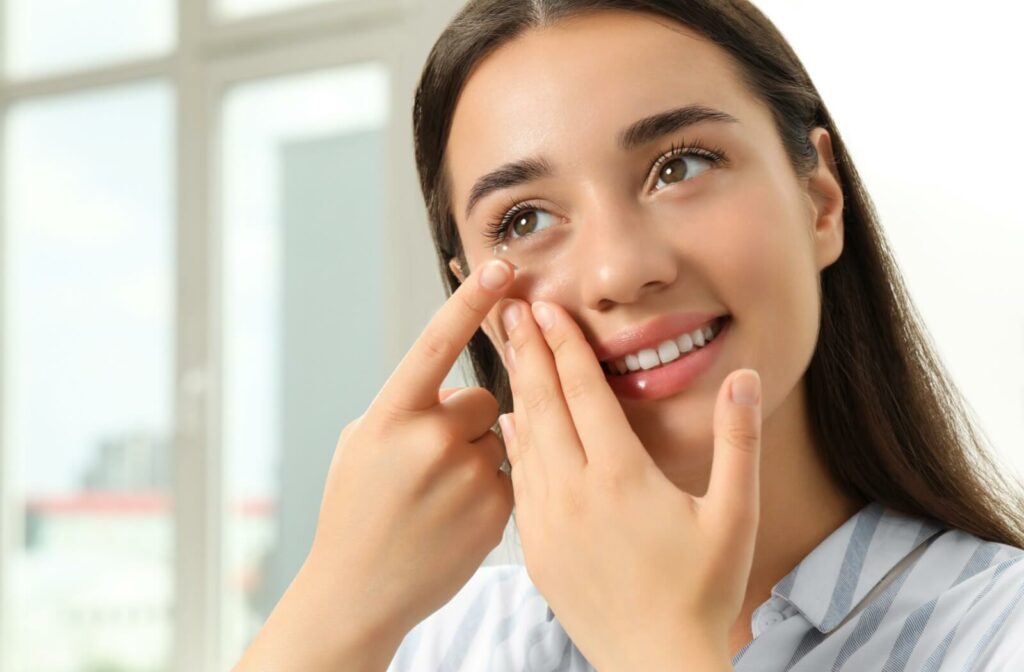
point(48, 36)
point(88, 184)
point(235, 9)
point(303, 189)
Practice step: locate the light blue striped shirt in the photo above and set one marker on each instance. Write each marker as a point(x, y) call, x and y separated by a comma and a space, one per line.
point(884, 592)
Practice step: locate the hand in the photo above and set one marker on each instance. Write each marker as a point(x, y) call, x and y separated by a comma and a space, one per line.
point(636, 569)
point(413, 503)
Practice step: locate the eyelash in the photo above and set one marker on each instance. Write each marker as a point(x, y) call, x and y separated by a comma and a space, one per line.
point(496, 229)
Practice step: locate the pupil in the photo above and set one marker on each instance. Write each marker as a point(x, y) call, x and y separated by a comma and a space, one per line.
point(670, 174)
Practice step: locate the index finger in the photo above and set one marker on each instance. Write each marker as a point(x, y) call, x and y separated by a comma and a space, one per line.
point(414, 383)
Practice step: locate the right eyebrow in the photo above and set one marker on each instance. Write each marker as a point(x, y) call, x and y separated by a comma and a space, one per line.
point(632, 137)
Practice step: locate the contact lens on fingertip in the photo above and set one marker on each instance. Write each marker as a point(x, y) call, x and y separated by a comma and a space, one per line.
point(501, 250)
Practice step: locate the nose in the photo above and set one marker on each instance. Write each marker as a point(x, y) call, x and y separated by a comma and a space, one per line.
point(625, 256)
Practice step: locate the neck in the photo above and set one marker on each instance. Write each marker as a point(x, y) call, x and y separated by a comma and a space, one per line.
point(794, 480)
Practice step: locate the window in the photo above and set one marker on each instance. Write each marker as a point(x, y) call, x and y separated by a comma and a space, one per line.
point(302, 224)
point(234, 9)
point(90, 340)
point(195, 209)
point(53, 36)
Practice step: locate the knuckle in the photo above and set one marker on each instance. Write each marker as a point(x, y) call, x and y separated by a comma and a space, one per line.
point(575, 389)
point(616, 484)
point(436, 346)
point(571, 501)
point(469, 304)
point(441, 440)
point(537, 399)
point(743, 438)
point(390, 416)
point(474, 470)
point(518, 339)
point(612, 480)
point(557, 343)
point(444, 435)
point(482, 400)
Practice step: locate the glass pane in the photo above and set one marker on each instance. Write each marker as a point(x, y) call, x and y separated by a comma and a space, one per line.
point(235, 9)
point(302, 193)
point(49, 36)
point(89, 344)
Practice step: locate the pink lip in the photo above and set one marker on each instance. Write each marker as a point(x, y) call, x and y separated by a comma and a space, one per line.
point(670, 378)
point(650, 335)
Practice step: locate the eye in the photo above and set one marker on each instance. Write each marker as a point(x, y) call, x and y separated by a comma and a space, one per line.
point(526, 220)
point(682, 167)
point(520, 219)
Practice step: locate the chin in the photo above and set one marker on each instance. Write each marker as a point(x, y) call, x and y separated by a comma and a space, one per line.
point(677, 425)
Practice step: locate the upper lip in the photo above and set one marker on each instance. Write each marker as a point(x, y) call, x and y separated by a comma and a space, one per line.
point(650, 334)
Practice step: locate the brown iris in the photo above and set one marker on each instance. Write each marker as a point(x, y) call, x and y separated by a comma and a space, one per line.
point(670, 174)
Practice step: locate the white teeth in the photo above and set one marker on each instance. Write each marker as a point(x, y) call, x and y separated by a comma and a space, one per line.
point(685, 343)
point(667, 351)
point(649, 359)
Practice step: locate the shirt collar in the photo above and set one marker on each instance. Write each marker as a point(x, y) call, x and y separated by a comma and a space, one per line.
point(833, 578)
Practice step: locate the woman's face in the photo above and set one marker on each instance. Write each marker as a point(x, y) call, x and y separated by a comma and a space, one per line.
point(744, 237)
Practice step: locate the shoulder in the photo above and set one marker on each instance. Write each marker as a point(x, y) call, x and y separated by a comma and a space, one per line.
point(962, 604)
point(497, 621)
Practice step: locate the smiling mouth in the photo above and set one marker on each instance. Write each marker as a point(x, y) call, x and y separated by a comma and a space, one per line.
point(667, 351)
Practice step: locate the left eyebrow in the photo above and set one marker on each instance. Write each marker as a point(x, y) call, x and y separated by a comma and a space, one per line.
point(635, 135)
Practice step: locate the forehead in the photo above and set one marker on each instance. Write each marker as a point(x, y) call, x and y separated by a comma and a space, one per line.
point(575, 85)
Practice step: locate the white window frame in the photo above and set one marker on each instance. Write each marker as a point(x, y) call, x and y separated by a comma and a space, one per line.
point(209, 56)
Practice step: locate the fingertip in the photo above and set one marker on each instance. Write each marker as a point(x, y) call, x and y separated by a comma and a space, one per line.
point(745, 388)
point(496, 275)
point(544, 314)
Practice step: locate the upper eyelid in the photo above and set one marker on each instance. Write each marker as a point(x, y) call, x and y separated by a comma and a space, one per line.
point(699, 152)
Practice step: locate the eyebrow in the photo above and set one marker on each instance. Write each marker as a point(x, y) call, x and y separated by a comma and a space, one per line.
point(633, 136)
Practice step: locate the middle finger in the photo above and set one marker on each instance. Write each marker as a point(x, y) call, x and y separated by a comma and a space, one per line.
point(542, 416)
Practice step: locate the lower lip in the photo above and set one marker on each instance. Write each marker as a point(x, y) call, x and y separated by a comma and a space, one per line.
point(670, 378)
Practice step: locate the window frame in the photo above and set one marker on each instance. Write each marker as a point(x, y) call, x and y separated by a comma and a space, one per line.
point(209, 56)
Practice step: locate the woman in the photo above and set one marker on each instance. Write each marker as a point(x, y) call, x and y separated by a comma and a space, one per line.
point(731, 445)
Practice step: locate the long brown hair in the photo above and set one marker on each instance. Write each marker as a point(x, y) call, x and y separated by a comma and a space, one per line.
point(891, 424)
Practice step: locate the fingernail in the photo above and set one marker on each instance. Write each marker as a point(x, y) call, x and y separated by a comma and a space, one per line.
point(494, 275)
point(508, 429)
point(746, 388)
point(544, 315)
point(510, 315)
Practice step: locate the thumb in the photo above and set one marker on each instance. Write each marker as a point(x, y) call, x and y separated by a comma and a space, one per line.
point(733, 495)
point(446, 392)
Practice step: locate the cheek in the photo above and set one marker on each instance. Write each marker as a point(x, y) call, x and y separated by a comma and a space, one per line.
point(761, 252)
point(770, 280)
